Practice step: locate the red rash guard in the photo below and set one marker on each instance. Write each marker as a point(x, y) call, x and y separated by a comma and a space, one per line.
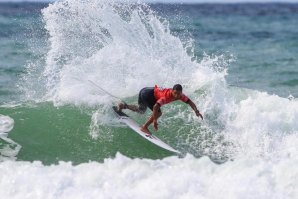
point(164, 96)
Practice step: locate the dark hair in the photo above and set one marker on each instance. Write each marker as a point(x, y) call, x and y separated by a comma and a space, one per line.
point(177, 87)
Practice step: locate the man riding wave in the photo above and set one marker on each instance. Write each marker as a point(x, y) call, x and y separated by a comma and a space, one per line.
point(154, 98)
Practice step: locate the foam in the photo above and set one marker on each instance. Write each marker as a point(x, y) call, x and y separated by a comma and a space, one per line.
point(261, 122)
point(6, 124)
point(122, 177)
point(9, 149)
point(122, 48)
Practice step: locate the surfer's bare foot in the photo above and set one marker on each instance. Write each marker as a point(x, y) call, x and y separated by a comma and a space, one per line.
point(145, 130)
point(121, 106)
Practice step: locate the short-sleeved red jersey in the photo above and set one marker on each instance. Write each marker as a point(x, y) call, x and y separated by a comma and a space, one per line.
point(164, 96)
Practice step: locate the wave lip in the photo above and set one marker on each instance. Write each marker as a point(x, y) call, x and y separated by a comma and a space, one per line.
point(121, 47)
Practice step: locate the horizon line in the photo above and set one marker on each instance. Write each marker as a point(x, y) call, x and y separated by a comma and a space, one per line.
point(175, 2)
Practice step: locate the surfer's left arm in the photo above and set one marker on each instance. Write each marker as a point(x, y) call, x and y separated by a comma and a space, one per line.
point(194, 107)
point(156, 114)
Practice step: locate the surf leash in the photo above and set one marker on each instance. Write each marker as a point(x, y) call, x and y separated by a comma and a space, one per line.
point(103, 90)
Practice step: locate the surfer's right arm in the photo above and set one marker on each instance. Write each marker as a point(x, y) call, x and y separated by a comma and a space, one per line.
point(194, 107)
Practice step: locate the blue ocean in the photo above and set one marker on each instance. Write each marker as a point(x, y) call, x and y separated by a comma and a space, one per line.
point(59, 137)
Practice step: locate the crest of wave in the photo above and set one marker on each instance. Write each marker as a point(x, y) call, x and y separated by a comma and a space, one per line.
point(123, 47)
point(120, 46)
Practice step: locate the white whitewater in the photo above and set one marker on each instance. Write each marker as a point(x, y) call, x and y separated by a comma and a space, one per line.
point(124, 48)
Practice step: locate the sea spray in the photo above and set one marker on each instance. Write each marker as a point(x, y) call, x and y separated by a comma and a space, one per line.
point(130, 47)
point(124, 47)
point(253, 132)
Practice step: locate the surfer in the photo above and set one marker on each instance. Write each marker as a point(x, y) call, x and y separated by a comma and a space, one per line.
point(154, 98)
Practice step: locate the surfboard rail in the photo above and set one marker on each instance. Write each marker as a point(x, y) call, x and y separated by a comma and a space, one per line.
point(136, 128)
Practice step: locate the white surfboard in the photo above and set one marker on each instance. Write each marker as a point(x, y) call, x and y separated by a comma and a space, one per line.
point(135, 127)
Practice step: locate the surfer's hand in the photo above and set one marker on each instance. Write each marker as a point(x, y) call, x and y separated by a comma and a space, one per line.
point(199, 114)
point(155, 124)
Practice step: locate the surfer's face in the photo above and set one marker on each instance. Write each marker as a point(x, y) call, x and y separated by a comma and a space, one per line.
point(176, 94)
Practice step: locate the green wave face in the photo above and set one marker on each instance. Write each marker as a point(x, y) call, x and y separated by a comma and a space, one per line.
point(51, 134)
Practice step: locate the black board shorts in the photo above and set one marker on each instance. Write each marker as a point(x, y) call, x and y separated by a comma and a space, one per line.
point(146, 99)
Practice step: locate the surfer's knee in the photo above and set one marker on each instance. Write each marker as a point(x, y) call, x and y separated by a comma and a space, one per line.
point(159, 113)
point(142, 109)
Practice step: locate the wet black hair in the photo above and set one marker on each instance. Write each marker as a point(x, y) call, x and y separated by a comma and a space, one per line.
point(177, 87)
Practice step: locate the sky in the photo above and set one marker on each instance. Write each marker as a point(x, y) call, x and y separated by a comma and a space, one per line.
point(179, 1)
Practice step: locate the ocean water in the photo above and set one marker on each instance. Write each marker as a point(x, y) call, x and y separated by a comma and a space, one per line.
point(59, 137)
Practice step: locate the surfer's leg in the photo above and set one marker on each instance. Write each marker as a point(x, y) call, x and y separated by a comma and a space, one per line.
point(134, 108)
point(144, 128)
point(122, 106)
point(146, 98)
point(150, 101)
